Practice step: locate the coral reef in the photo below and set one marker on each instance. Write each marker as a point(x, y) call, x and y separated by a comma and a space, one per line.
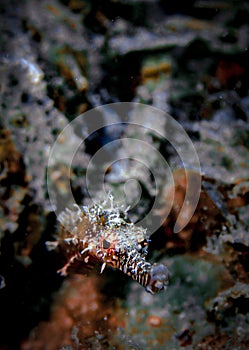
point(60, 58)
point(81, 318)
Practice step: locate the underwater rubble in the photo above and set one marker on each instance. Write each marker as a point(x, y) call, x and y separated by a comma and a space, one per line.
point(61, 58)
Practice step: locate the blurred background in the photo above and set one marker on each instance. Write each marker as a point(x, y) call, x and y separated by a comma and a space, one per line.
point(59, 59)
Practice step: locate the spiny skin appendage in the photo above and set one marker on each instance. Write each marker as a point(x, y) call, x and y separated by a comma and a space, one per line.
point(106, 235)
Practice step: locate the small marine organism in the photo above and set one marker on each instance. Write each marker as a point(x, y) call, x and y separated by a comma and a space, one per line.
point(102, 234)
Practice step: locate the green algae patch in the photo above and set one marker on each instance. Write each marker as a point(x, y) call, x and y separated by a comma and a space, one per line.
point(176, 318)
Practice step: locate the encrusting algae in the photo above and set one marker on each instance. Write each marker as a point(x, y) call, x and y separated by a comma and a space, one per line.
point(104, 235)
